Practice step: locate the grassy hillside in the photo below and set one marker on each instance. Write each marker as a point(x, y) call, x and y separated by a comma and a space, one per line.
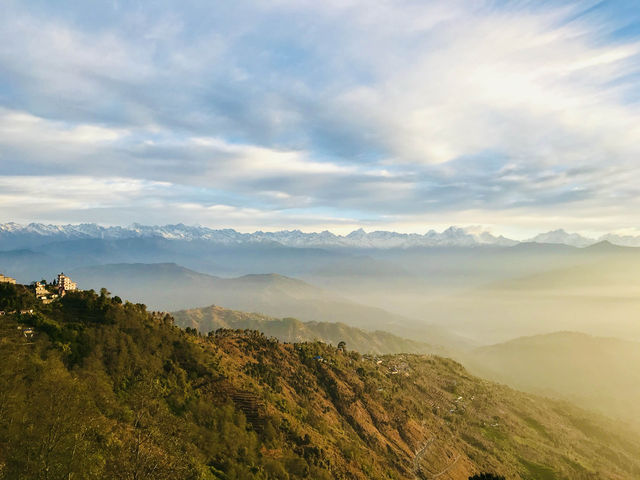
point(102, 389)
point(596, 373)
point(211, 318)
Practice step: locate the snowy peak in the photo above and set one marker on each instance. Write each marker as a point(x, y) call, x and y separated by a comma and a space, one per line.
point(622, 240)
point(562, 237)
point(36, 233)
point(14, 235)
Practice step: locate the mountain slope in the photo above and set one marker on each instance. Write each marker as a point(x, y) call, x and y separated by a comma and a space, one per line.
point(211, 318)
point(596, 373)
point(170, 287)
point(129, 395)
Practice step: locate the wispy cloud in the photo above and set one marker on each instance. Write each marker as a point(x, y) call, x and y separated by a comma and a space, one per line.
point(399, 113)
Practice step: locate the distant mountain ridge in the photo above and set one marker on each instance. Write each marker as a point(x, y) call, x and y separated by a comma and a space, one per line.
point(564, 238)
point(14, 235)
point(35, 233)
point(171, 287)
point(291, 330)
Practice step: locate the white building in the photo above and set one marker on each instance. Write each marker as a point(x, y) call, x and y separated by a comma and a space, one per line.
point(65, 284)
point(41, 290)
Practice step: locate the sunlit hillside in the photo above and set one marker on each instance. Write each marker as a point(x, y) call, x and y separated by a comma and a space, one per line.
point(129, 395)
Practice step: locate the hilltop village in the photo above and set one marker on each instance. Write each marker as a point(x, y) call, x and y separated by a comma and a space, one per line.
point(47, 292)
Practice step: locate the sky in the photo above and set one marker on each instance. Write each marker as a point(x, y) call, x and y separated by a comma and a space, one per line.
point(516, 116)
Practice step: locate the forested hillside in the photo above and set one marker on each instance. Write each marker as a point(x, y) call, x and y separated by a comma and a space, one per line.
point(93, 388)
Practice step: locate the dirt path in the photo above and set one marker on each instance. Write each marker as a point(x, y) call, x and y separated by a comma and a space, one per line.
point(446, 469)
point(419, 455)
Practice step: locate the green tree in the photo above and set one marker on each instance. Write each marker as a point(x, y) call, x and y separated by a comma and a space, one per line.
point(149, 446)
point(53, 428)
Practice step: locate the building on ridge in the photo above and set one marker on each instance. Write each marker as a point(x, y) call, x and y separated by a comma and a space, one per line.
point(65, 284)
point(41, 290)
point(4, 279)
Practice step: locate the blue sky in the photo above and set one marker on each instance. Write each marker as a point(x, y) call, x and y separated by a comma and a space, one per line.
point(402, 115)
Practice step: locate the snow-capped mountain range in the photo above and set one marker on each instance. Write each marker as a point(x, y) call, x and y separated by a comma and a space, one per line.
point(577, 240)
point(17, 235)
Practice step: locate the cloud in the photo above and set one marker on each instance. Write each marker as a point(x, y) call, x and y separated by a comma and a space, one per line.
point(61, 199)
point(401, 112)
